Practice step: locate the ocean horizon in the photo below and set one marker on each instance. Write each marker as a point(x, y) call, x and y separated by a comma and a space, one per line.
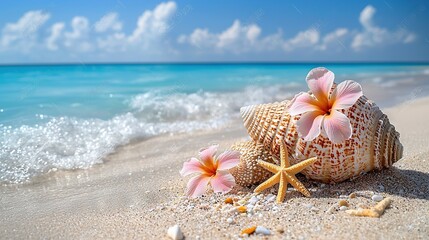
point(324, 63)
point(70, 116)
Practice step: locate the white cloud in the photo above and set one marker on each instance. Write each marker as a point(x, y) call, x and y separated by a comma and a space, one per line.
point(236, 38)
point(106, 35)
point(80, 26)
point(332, 38)
point(411, 37)
point(247, 38)
point(113, 42)
point(77, 38)
point(273, 41)
point(199, 38)
point(152, 24)
point(23, 33)
point(303, 39)
point(108, 22)
point(56, 32)
point(148, 34)
point(366, 16)
point(373, 35)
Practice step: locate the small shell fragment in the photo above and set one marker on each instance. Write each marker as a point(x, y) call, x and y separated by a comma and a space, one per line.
point(249, 230)
point(175, 233)
point(229, 201)
point(343, 202)
point(242, 209)
point(375, 211)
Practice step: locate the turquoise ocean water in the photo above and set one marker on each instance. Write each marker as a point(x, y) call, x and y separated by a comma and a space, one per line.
point(71, 116)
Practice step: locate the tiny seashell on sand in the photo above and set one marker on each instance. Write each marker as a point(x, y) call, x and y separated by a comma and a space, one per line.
point(249, 230)
point(175, 233)
point(242, 209)
point(248, 172)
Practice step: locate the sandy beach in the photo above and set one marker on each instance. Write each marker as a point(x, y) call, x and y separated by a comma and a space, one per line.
point(152, 120)
point(138, 194)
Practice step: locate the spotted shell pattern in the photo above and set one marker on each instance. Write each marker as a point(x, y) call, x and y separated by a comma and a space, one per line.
point(374, 143)
point(247, 172)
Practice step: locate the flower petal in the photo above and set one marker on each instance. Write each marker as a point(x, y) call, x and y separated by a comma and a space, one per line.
point(346, 94)
point(222, 182)
point(309, 125)
point(337, 127)
point(320, 81)
point(228, 159)
point(303, 102)
point(197, 185)
point(191, 166)
point(207, 155)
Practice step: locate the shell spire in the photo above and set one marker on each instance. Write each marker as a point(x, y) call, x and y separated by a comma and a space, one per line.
point(247, 172)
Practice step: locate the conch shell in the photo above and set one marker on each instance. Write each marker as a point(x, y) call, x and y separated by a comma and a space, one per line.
point(374, 143)
point(247, 172)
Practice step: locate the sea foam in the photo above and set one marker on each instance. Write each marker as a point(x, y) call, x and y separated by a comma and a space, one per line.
point(72, 143)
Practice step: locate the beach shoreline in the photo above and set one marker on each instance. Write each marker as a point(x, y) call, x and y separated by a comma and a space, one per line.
point(137, 193)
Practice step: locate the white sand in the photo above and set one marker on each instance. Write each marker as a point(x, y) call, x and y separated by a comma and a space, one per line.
point(138, 193)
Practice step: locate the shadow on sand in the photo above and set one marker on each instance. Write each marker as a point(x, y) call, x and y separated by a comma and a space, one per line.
point(393, 181)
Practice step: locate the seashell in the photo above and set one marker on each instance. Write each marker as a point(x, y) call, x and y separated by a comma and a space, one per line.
point(374, 143)
point(248, 172)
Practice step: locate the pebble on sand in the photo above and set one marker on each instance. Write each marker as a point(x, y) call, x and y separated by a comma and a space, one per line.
point(377, 197)
point(343, 208)
point(253, 200)
point(352, 195)
point(175, 233)
point(262, 230)
point(270, 198)
point(343, 202)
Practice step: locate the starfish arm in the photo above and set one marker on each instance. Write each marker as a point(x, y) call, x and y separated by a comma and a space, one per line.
point(268, 183)
point(284, 156)
point(282, 188)
point(269, 166)
point(297, 185)
point(301, 166)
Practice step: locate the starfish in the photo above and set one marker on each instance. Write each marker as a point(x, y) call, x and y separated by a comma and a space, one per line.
point(284, 174)
point(375, 211)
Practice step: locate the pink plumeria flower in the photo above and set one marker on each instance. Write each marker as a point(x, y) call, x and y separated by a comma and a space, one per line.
point(211, 170)
point(321, 110)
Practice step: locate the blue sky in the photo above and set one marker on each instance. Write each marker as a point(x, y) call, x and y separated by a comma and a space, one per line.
point(164, 31)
